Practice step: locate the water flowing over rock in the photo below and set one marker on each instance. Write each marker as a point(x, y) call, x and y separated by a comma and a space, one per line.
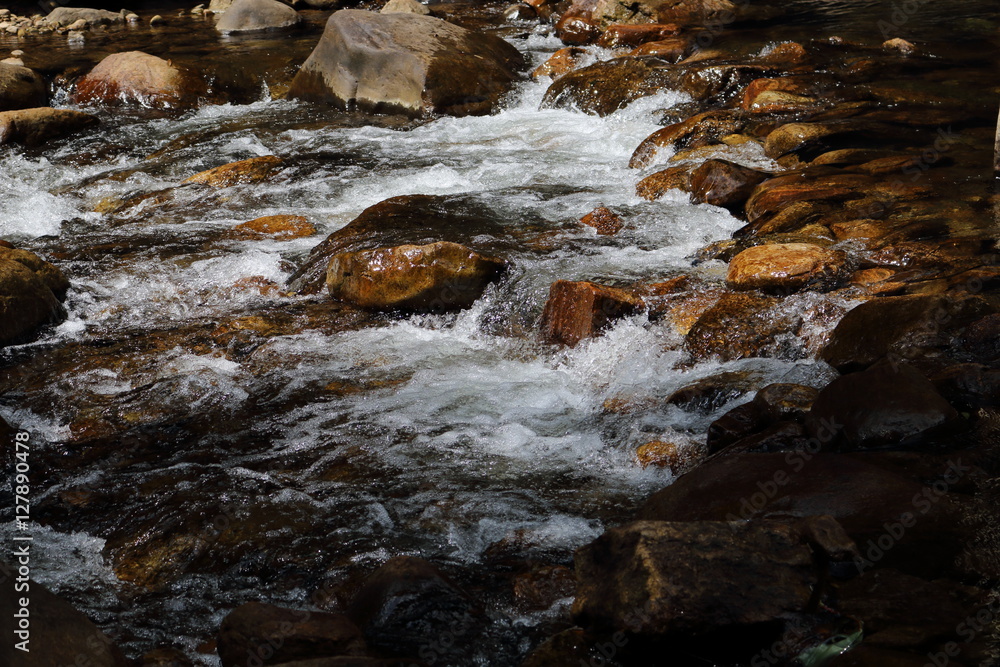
point(406, 63)
point(34, 127)
point(433, 278)
point(257, 16)
point(31, 290)
point(275, 635)
point(21, 88)
point(141, 79)
point(579, 310)
point(253, 170)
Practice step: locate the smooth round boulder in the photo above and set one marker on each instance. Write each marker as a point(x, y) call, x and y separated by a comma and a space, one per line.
point(257, 16)
point(785, 266)
point(33, 127)
point(21, 88)
point(137, 78)
point(67, 16)
point(405, 7)
point(30, 294)
point(406, 63)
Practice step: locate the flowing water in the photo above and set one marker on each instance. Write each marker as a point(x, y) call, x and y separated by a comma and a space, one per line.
point(188, 428)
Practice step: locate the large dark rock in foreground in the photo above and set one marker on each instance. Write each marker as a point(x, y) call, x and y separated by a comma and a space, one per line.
point(58, 634)
point(405, 63)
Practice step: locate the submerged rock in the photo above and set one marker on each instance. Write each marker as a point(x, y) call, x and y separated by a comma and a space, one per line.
point(437, 277)
point(33, 127)
point(280, 227)
point(269, 635)
point(605, 221)
point(406, 63)
point(579, 310)
point(31, 290)
point(253, 170)
point(740, 325)
point(21, 88)
point(141, 79)
point(257, 16)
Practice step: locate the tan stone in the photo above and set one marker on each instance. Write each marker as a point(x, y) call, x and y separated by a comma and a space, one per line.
point(784, 266)
point(277, 226)
point(254, 170)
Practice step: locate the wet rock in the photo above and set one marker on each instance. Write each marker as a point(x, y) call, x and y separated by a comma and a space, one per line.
point(775, 194)
point(663, 454)
point(663, 580)
point(257, 16)
point(785, 267)
point(604, 220)
point(661, 182)
point(579, 310)
point(65, 16)
point(520, 12)
point(258, 633)
point(889, 404)
point(809, 140)
point(30, 295)
point(723, 183)
point(280, 227)
point(608, 12)
point(739, 325)
point(562, 61)
point(569, 648)
point(406, 63)
point(21, 88)
point(867, 499)
point(408, 606)
point(437, 277)
point(254, 170)
point(617, 36)
point(902, 326)
point(775, 101)
point(899, 45)
point(673, 49)
point(34, 127)
point(411, 219)
point(711, 393)
point(165, 657)
point(405, 7)
point(543, 586)
point(576, 29)
point(59, 634)
point(137, 78)
point(786, 54)
point(699, 130)
point(785, 401)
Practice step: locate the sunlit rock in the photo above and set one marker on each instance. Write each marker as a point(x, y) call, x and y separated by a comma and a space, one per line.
point(579, 310)
point(137, 78)
point(786, 266)
point(257, 16)
point(34, 127)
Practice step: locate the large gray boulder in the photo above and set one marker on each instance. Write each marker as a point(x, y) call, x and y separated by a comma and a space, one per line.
point(21, 88)
point(62, 16)
point(406, 63)
point(257, 16)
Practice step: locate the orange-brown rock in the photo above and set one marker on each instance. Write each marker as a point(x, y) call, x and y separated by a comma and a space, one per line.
point(776, 101)
point(899, 45)
point(277, 226)
point(723, 183)
point(604, 220)
point(562, 61)
point(134, 77)
point(610, 12)
point(579, 310)
point(774, 194)
point(787, 54)
point(31, 290)
point(785, 267)
point(33, 127)
point(622, 35)
point(21, 88)
point(436, 277)
point(699, 130)
point(740, 325)
point(794, 136)
point(672, 49)
point(662, 454)
point(656, 185)
point(576, 30)
point(254, 170)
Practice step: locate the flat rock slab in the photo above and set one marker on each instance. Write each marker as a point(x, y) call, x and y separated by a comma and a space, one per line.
point(785, 267)
point(406, 63)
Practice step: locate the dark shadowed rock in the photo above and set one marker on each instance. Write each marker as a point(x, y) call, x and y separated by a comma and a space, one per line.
point(21, 88)
point(59, 634)
point(30, 294)
point(407, 604)
point(890, 404)
point(257, 16)
point(258, 633)
point(406, 63)
point(723, 183)
point(659, 579)
point(579, 310)
point(436, 277)
point(739, 325)
point(137, 78)
point(34, 127)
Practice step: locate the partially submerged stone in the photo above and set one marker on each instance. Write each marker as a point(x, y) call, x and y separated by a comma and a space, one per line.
point(138, 78)
point(437, 277)
point(33, 127)
point(253, 170)
point(245, 16)
point(21, 88)
point(406, 63)
point(579, 310)
point(31, 291)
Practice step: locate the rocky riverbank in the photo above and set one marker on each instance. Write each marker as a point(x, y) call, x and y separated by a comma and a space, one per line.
point(842, 518)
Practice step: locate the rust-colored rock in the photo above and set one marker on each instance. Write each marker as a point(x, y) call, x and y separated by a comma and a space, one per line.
point(579, 310)
point(576, 30)
point(658, 184)
point(663, 454)
point(610, 12)
point(739, 325)
point(775, 194)
point(723, 183)
point(281, 227)
point(672, 49)
point(785, 266)
point(604, 220)
point(254, 170)
point(436, 277)
point(620, 35)
point(562, 61)
point(141, 79)
point(33, 127)
point(700, 130)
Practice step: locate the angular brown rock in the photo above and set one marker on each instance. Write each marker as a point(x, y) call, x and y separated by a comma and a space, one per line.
point(579, 310)
point(723, 183)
